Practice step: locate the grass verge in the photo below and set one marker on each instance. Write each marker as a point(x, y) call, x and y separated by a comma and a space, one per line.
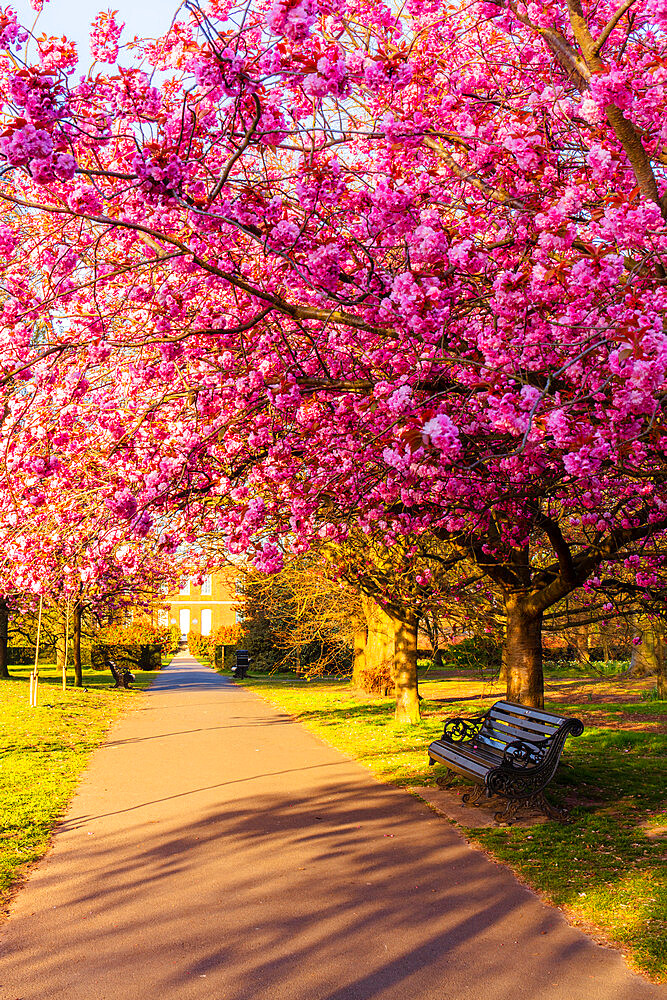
point(607, 868)
point(43, 751)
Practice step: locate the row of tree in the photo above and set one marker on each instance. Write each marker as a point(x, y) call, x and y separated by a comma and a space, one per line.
point(304, 619)
point(387, 281)
point(70, 632)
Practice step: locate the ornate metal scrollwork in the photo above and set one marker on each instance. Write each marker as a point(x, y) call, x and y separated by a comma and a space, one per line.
point(474, 797)
point(574, 727)
point(516, 783)
point(537, 801)
point(525, 753)
point(462, 729)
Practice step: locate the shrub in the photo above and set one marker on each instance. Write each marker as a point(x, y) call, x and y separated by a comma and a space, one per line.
point(142, 633)
point(173, 641)
point(586, 668)
point(376, 680)
point(130, 655)
point(228, 635)
point(25, 655)
point(204, 646)
point(200, 645)
point(652, 695)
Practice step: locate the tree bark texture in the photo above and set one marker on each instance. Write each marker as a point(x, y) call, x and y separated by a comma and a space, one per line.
point(76, 637)
point(385, 658)
point(4, 623)
point(405, 672)
point(374, 650)
point(523, 641)
point(359, 662)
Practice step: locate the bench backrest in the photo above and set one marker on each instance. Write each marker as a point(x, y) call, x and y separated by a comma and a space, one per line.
point(505, 722)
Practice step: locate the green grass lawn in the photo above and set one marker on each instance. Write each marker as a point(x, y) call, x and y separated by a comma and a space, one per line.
point(607, 868)
point(43, 751)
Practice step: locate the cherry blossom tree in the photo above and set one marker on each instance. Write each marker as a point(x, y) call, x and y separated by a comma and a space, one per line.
point(356, 270)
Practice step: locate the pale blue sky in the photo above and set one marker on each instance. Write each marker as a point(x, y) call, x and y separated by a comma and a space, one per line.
point(72, 18)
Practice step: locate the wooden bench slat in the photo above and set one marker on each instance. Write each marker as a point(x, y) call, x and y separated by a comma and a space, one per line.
point(524, 720)
point(497, 744)
point(447, 754)
point(537, 729)
point(535, 713)
point(475, 763)
point(504, 729)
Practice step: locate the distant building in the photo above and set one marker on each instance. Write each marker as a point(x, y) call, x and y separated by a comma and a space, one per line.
point(203, 609)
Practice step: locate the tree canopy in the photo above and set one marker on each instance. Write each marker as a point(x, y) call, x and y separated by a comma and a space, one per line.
point(297, 270)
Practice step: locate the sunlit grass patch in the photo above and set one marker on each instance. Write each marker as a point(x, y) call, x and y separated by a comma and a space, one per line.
point(607, 868)
point(43, 751)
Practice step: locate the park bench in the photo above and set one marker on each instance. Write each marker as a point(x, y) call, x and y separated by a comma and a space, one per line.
point(123, 676)
point(511, 751)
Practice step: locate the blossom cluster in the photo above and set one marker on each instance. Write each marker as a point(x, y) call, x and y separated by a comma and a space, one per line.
point(305, 288)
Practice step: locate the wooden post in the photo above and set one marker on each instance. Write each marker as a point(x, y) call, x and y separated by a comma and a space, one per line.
point(78, 673)
point(34, 686)
point(66, 643)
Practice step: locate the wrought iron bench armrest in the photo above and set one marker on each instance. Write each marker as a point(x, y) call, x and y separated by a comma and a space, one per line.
point(462, 729)
point(521, 754)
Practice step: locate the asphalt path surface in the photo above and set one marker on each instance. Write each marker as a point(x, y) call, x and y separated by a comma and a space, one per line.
point(215, 849)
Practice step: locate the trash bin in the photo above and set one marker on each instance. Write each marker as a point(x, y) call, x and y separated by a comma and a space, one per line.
point(242, 663)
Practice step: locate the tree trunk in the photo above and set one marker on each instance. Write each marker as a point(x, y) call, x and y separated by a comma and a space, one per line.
point(359, 662)
point(661, 675)
point(644, 659)
point(405, 672)
point(523, 640)
point(661, 678)
point(373, 670)
point(76, 638)
point(4, 622)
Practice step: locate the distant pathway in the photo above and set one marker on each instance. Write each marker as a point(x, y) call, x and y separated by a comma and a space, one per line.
point(216, 850)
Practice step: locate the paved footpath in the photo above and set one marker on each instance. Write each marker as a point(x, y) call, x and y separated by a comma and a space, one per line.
point(215, 849)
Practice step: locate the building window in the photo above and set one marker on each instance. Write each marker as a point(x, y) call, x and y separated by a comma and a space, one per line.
point(239, 617)
point(163, 617)
point(185, 589)
point(207, 587)
point(206, 621)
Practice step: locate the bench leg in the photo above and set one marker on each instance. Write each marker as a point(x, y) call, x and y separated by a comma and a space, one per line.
point(562, 814)
point(445, 780)
point(508, 813)
point(474, 797)
point(537, 801)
